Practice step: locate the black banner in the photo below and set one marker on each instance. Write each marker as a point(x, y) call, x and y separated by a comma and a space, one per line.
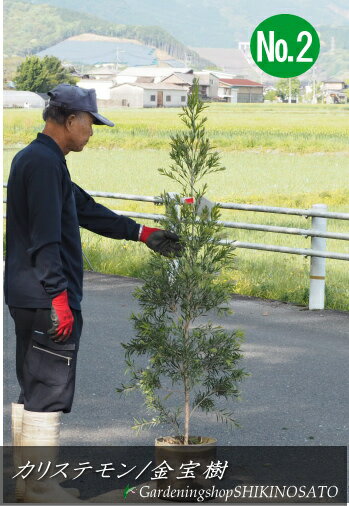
point(146, 474)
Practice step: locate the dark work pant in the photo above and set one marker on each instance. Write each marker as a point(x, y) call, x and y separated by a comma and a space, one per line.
point(45, 370)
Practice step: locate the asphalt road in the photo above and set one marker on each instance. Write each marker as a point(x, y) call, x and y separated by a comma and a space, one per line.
point(297, 393)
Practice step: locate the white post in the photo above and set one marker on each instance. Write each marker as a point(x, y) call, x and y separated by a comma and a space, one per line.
point(317, 264)
point(175, 261)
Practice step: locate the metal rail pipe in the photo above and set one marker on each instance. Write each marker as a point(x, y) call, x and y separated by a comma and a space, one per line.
point(250, 245)
point(125, 196)
point(306, 232)
point(249, 226)
point(284, 210)
point(227, 205)
point(231, 205)
point(283, 249)
point(145, 216)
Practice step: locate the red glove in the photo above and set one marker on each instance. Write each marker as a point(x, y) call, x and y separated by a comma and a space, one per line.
point(146, 231)
point(62, 317)
point(164, 242)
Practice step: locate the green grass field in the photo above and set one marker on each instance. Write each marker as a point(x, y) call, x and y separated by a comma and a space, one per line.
point(277, 155)
point(282, 127)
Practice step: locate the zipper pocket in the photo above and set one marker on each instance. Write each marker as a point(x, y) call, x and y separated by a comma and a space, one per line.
point(52, 353)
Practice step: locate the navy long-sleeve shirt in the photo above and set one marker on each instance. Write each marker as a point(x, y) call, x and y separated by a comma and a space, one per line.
point(44, 212)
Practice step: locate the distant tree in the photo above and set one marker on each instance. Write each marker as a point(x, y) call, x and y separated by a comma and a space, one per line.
point(282, 88)
point(213, 67)
point(270, 95)
point(30, 75)
point(56, 72)
point(41, 74)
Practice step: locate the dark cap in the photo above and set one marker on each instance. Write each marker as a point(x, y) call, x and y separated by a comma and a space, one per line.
point(77, 99)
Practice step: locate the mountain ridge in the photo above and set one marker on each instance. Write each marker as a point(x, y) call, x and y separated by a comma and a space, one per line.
point(208, 23)
point(23, 19)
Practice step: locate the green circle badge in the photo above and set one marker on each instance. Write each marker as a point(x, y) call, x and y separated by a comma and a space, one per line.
point(285, 45)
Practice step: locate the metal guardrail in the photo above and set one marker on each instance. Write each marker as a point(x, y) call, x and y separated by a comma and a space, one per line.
point(317, 232)
point(249, 226)
point(285, 210)
point(229, 205)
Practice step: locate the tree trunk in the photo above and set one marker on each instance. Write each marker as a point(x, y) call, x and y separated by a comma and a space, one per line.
point(187, 412)
point(186, 391)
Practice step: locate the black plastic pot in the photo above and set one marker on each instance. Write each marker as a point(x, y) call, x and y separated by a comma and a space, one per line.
point(178, 486)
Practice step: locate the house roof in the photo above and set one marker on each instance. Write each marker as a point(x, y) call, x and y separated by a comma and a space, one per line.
point(153, 86)
point(204, 77)
point(152, 71)
point(102, 72)
point(225, 75)
point(145, 79)
point(240, 82)
point(94, 82)
point(186, 78)
point(336, 92)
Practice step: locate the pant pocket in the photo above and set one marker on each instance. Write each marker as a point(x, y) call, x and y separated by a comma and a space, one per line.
point(46, 361)
point(48, 366)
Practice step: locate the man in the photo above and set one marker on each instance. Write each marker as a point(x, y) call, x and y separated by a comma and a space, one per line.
point(44, 268)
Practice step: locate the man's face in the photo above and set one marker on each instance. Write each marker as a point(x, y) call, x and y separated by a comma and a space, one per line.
point(80, 130)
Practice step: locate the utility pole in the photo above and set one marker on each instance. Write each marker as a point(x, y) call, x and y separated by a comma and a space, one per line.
point(314, 87)
point(117, 59)
point(289, 91)
point(187, 59)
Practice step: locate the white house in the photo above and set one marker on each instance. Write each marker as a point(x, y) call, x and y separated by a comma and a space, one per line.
point(102, 87)
point(226, 93)
point(208, 84)
point(148, 95)
point(132, 74)
point(179, 79)
point(107, 74)
point(334, 92)
point(332, 85)
point(240, 90)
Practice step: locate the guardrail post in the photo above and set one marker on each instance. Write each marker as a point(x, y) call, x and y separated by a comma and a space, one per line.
point(175, 261)
point(318, 264)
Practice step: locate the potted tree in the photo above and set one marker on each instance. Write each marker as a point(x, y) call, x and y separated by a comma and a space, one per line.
point(191, 363)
